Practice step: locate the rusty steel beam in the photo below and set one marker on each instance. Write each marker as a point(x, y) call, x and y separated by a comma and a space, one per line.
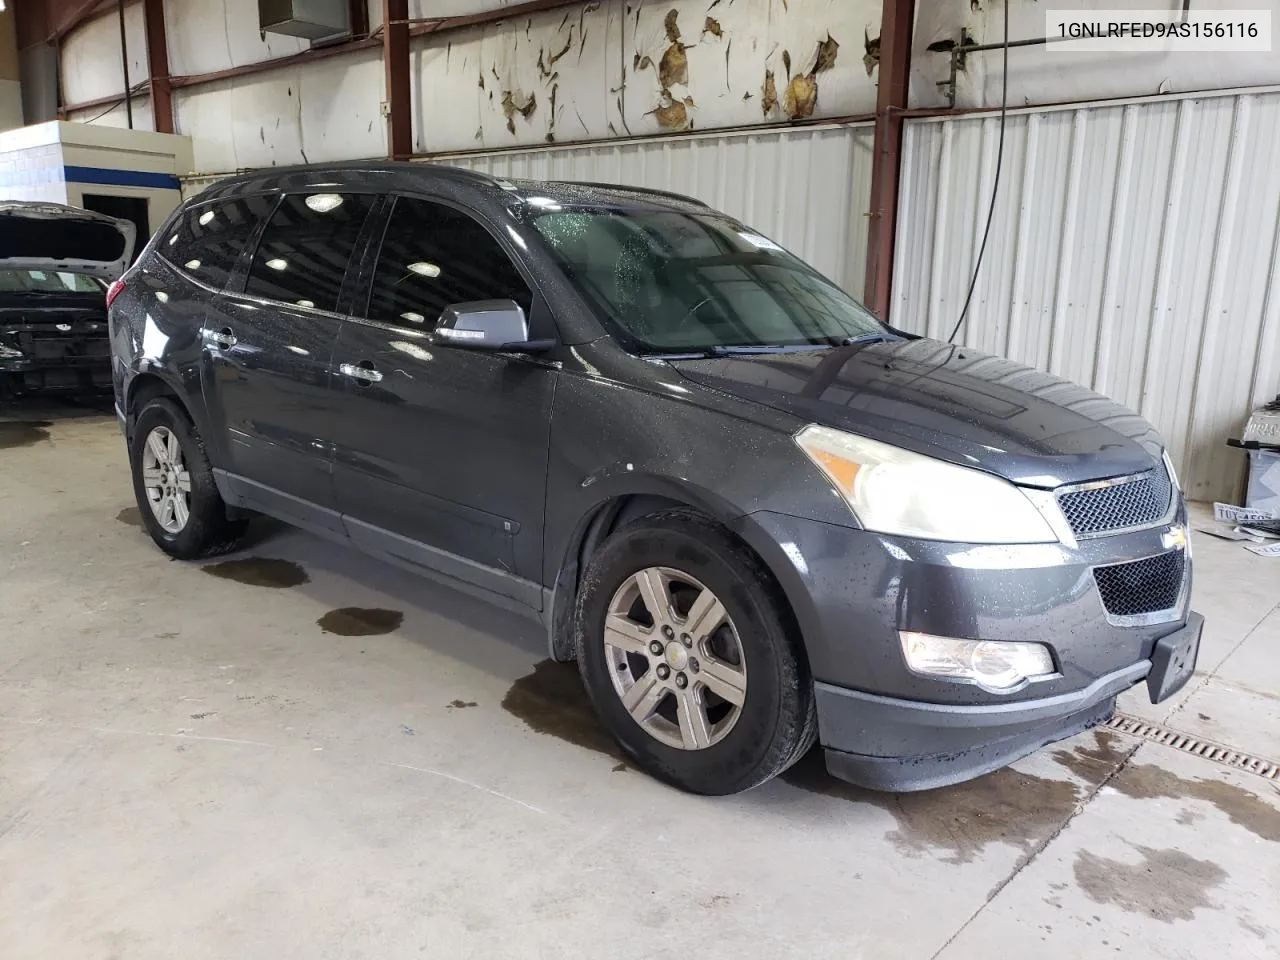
point(66, 22)
point(375, 39)
point(114, 100)
point(897, 21)
point(158, 66)
point(420, 28)
point(395, 60)
point(181, 81)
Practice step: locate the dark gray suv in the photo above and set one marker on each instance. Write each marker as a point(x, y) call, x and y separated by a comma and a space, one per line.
point(754, 515)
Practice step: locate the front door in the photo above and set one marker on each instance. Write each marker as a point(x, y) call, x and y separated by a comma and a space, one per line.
point(269, 352)
point(441, 453)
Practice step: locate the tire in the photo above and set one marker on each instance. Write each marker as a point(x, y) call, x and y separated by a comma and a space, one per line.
point(775, 722)
point(206, 531)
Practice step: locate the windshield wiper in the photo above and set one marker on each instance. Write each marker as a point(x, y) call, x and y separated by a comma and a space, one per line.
point(740, 350)
point(869, 338)
point(749, 349)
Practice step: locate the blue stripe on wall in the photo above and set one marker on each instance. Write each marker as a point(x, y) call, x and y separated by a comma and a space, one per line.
point(121, 178)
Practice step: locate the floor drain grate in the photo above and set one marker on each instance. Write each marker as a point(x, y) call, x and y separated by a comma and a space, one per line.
point(1185, 742)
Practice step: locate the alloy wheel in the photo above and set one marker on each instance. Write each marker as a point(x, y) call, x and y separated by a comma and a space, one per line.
point(166, 480)
point(675, 658)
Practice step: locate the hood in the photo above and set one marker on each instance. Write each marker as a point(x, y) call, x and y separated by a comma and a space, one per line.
point(947, 402)
point(53, 237)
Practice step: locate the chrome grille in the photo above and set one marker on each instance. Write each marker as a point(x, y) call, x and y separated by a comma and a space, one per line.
point(1141, 586)
point(1135, 502)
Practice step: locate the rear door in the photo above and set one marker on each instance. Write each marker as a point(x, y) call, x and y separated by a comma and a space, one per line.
point(441, 453)
point(268, 346)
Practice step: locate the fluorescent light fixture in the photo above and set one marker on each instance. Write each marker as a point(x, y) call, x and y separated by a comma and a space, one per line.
point(277, 263)
point(423, 269)
point(324, 202)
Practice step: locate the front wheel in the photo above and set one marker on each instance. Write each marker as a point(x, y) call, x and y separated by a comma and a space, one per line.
point(688, 653)
point(173, 483)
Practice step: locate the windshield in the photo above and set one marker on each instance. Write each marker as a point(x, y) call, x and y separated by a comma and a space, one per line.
point(46, 281)
point(670, 282)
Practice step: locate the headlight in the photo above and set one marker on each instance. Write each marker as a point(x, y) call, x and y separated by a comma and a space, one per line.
point(993, 665)
point(894, 491)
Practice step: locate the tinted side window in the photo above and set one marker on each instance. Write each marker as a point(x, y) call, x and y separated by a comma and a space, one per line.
point(207, 239)
point(433, 256)
point(304, 251)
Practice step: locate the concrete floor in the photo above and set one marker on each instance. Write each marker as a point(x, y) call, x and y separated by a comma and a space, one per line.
point(192, 766)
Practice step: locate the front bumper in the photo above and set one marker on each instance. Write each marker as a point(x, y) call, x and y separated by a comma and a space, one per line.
point(884, 743)
point(888, 728)
point(44, 356)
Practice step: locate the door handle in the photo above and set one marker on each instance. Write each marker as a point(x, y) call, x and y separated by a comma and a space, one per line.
point(363, 371)
point(223, 338)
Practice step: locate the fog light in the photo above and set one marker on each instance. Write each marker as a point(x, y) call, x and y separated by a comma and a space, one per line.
point(998, 666)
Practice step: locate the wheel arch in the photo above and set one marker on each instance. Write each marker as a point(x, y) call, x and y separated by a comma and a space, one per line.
point(142, 389)
point(144, 386)
point(607, 515)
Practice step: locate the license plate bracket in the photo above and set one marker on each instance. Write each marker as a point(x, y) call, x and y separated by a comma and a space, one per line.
point(1173, 660)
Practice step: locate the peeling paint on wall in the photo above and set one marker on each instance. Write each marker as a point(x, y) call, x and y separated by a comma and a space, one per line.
point(1040, 76)
point(871, 56)
point(768, 94)
point(592, 71)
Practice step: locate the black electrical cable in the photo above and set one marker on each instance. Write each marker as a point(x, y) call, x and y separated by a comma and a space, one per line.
point(136, 89)
point(995, 185)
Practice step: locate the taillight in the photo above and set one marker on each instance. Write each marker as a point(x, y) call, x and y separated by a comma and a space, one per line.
point(113, 291)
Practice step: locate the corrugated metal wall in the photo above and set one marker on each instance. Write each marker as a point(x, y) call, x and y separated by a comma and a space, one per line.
point(806, 188)
point(1135, 249)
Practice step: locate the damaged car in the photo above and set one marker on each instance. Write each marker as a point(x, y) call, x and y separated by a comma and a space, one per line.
point(756, 517)
point(55, 264)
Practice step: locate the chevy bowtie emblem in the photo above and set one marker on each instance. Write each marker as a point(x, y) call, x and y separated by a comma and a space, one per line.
point(1175, 538)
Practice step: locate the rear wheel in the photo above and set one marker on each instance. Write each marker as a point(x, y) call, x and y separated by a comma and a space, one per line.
point(688, 653)
point(173, 483)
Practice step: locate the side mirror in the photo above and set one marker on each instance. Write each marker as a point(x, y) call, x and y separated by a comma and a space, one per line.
point(488, 325)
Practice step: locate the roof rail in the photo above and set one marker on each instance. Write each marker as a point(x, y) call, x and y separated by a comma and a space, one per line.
point(623, 188)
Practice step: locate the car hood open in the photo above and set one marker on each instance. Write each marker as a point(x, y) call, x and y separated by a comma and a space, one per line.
point(54, 237)
point(948, 402)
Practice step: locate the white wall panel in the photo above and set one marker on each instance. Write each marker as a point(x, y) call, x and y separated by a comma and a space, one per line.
point(807, 189)
point(117, 115)
point(596, 71)
point(303, 114)
point(1040, 74)
point(1135, 249)
point(209, 35)
point(91, 56)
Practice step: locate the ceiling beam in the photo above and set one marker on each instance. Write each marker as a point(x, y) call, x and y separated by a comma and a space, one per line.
point(395, 59)
point(897, 22)
point(158, 66)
